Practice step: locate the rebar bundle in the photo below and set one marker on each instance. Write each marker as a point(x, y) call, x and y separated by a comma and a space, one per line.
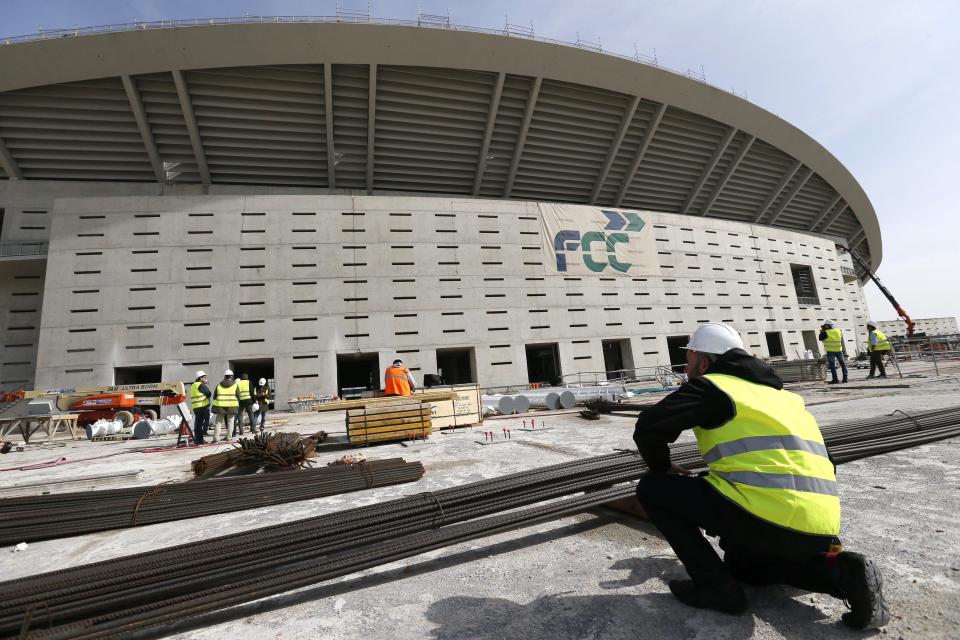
point(267, 451)
point(32, 518)
point(149, 591)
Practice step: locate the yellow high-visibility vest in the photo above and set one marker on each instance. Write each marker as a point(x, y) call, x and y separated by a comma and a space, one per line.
point(197, 399)
point(226, 396)
point(770, 458)
point(834, 341)
point(882, 343)
point(243, 389)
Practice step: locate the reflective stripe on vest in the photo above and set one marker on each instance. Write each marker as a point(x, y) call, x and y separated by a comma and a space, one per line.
point(243, 389)
point(226, 396)
point(834, 341)
point(396, 381)
point(770, 458)
point(882, 343)
point(197, 399)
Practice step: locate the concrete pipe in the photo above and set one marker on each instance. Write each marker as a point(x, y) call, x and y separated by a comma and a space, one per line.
point(521, 403)
point(147, 428)
point(103, 428)
point(567, 400)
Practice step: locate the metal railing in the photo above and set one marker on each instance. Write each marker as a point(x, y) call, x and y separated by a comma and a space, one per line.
point(658, 375)
point(23, 249)
point(808, 300)
point(424, 21)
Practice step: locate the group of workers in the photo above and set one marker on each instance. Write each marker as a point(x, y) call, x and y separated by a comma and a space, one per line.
point(770, 493)
point(878, 346)
point(231, 400)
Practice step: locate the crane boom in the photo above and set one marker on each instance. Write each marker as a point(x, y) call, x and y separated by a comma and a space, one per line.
point(883, 289)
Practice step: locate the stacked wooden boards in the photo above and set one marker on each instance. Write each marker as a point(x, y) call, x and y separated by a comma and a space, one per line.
point(401, 418)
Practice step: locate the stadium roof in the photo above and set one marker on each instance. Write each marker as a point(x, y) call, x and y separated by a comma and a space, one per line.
point(375, 108)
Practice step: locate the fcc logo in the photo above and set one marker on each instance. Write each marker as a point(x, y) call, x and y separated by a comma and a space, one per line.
point(569, 241)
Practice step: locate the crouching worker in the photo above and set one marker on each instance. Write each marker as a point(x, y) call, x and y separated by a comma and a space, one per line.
point(770, 494)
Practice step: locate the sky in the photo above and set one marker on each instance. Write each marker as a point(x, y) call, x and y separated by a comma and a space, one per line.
point(877, 82)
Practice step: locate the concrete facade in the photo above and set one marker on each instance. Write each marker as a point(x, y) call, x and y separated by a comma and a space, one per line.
point(194, 281)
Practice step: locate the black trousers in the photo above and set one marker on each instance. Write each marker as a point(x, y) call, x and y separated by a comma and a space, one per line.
point(246, 408)
point(201, 422)
point(876, 362)
point(755, 551)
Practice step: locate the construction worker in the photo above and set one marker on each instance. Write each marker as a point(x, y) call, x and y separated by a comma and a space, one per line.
point(245, 401)
point(200, 403)
point(261, 394)
point(832, 339)
point(397, 380)
point(225, 405)
point(878, 346)
point(770, 494)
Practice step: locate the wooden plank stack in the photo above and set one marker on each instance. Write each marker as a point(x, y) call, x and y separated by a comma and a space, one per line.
point(402, 418)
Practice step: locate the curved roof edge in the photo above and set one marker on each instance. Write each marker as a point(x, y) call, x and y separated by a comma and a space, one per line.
point(133, 53)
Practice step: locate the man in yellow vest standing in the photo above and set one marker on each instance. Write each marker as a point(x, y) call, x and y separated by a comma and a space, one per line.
point(245, 401)
point(770, 494)
point(878, 346)
point(200, 403)
point(832, 339)
point(397, 380)
point(225, 405)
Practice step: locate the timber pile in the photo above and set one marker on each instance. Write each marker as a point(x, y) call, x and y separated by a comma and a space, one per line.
point(406, 418)
point(267, 451)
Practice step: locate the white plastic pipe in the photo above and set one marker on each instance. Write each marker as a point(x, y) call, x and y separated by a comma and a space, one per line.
point(147, 428)
point(103, 428)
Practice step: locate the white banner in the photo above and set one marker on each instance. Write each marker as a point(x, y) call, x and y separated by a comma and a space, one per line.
point(590, 241)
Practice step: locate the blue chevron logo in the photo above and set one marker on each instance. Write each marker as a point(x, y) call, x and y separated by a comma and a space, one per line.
point(618, 221)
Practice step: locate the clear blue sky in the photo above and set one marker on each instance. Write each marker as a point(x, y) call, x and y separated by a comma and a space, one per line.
point(877, 82)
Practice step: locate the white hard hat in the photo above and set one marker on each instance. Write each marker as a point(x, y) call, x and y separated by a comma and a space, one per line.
point(871, 323)
point(828, 323)
point(262, 381)
point(200, 374)
point(714, 337)
point(228, 373)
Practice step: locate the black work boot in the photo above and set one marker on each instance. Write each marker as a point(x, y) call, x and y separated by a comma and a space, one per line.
point(834, 382)
point(726, 597)
point(859, 580)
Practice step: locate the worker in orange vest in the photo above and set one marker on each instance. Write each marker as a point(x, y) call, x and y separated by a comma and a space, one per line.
point(397, 380)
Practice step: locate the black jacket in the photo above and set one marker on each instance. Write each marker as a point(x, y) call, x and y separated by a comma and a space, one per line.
point(697, 403)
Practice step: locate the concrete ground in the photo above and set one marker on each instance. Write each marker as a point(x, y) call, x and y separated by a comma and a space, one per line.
point(596, 575)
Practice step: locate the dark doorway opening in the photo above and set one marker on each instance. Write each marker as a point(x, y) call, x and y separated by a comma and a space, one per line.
point(543, 363)
point(457, 366)
point(775, 344)
point(255, 368)
point(356, 373)
point(678, 355)
point(810, 343)
point(617, 359)
point(144, 374)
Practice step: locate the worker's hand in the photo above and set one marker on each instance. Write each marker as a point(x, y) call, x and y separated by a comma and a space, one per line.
point(679, 470)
